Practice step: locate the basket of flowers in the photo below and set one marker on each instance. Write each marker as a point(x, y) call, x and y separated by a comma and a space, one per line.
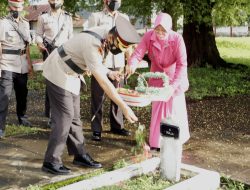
point(37, 65)
point(143, 94)
point(153, 93)
point(133, 97)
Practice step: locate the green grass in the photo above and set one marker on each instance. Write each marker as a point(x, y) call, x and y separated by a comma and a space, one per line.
point(14, 130)
point(234, 50)
point(151, 181)
point(56, 185)
point(208, 82)
point(36, 81)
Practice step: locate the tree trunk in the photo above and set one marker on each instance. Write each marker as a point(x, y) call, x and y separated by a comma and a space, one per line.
point(200, 42)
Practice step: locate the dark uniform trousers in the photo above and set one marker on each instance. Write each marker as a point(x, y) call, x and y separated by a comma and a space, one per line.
point(66, 126)
point(97, 98)
point(9, 79)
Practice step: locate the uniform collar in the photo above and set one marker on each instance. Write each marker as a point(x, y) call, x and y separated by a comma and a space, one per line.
point(61, 12)
point(21, 19)
point(105, 10)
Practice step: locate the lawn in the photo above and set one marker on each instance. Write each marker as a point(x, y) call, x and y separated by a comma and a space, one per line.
point(235, 49)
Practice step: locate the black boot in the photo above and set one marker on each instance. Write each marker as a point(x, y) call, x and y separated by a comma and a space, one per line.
point(23, 120)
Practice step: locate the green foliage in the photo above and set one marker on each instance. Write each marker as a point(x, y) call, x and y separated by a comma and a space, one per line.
point(34, 52)
point(231, 12)
point(3, 8)
point(140, 139)
point(227, 183)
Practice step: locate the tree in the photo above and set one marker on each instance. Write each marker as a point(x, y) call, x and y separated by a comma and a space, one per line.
point(198, 29)
point(3, 8)
point(199, 17)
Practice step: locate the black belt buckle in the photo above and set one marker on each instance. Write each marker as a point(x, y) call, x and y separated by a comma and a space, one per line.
point(22, 51)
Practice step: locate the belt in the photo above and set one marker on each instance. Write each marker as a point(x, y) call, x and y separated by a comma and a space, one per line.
point(14, 51)
point(69, 61)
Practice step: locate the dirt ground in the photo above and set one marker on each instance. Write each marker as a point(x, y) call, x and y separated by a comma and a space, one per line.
point(220, 132)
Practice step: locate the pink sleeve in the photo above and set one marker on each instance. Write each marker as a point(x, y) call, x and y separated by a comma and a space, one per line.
point(140, 51)
point(180, 76)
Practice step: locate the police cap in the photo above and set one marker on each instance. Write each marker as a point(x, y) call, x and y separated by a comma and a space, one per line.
point(126, 32)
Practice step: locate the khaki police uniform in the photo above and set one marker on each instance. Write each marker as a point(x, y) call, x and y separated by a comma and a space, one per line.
point(13, 66)
point(48, 28)
point(63, 84)
point(114, 62)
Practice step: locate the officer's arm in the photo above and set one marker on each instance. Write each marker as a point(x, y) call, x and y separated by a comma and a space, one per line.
point(111, 92)
point(2, 32)
point(28, 58)
point(39, 34)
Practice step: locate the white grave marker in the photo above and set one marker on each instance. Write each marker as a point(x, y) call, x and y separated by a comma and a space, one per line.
point(171, 151)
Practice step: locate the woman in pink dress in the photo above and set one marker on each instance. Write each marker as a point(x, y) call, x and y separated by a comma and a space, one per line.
point(167, 53)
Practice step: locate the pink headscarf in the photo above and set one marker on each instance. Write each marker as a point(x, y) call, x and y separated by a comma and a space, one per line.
point(165, 20)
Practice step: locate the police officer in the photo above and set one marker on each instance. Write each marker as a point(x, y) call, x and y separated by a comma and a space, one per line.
point(106, 19)
point(84, 51)
point(14, 62)
point(53, 29)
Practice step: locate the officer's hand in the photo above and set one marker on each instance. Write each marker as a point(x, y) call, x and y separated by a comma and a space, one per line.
point(41, 47)
point(114, 75)
point(30, 70)
point(129, 114)
point(129, 70)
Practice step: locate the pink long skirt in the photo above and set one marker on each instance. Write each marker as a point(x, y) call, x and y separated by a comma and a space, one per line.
point(176, 110)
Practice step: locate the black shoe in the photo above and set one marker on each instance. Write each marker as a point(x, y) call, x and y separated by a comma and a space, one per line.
point(86, 160)
point(96, 136)
point(23, 120)
point(122, 132)
point(49, 124)
point(155, 149)
point(58, 169)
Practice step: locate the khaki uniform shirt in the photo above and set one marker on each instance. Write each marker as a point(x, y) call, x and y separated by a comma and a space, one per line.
point(11, 40)
point(85, 51)
point(49, 25)
point(106, 20)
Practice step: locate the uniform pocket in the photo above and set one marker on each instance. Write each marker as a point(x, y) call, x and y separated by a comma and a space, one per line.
point(48, 25)
point(12, 36)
